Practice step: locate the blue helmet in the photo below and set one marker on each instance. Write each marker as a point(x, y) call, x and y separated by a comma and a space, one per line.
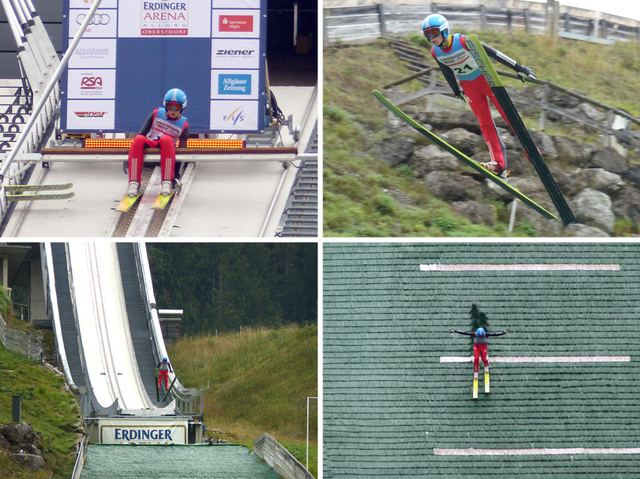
point(164, 358)
point(480, 332)
point(435, 24)
point(177, 95)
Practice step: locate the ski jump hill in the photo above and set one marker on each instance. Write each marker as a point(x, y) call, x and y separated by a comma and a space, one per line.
point(565, 382)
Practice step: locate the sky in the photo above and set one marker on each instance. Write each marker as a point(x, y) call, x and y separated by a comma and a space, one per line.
point(624, 8)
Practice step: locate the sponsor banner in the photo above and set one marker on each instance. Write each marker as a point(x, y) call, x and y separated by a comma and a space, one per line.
point(88, 3)
point(127, 431)
point(94, 53)
point(234, 84)
point(235, 53)
point(91, 115)
point(103, 24)
point(236, 4)
point(236, 23)
point(98, 84)
point(165, 18)
point(234, 116)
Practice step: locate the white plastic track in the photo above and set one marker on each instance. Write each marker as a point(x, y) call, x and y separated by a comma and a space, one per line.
point(104, 326)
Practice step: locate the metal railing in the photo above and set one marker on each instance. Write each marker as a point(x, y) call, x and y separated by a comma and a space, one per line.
point(281, 460)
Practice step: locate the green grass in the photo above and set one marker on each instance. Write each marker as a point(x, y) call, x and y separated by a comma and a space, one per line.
point(259, 381)
point(359, 186)
point(45, 405)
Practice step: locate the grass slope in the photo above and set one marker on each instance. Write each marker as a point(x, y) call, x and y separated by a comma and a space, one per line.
point(363, 194)
point(50, 410)
point(259, 381)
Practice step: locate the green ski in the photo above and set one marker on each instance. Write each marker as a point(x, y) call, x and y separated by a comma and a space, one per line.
point(492, 77)
point(128, 201)
point(19, 188)
point(59, 196)
point(461, 156)
point(162, 201)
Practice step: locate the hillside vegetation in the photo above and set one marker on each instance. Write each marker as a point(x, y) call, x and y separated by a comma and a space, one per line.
point(51, 411)
point(259, 381)
point(361, 191)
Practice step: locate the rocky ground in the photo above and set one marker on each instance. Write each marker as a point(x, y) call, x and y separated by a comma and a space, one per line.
point(601, 185)
point(23, 444)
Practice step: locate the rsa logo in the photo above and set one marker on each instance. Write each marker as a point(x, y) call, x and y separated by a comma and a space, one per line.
point(91, 83)
point(90, 114)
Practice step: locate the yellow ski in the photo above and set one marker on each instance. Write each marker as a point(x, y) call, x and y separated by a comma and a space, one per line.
point(128, 201)
point(475, 388)
point(486, 382)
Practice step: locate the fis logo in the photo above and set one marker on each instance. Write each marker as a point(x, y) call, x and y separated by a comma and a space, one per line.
point(90, 114)
point(235, 116)
point(91, 83)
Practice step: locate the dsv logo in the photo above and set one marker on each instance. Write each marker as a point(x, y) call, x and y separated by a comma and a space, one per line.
point(98, 19)
point(90, 114)
point(91, 83)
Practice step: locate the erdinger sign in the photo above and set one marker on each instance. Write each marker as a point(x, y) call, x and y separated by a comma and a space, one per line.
point(136, 50)
point(139, 431)
point(165, 18)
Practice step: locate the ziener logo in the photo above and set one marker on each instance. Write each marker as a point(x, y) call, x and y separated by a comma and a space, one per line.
point(235, 23)
point(234, 53)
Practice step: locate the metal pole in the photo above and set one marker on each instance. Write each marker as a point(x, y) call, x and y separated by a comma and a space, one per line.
point(310, 397)
point(17, 408)
point(47, 91)
point(514, 205)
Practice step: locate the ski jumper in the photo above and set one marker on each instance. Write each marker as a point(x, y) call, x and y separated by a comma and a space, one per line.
point(479, 348)
point(163, 373)
point(457, 61)
point(158, 131)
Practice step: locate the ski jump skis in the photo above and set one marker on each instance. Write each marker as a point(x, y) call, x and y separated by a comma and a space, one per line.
point(492, 77)
point(487, 389)
point(461, 156)
point(23, 192)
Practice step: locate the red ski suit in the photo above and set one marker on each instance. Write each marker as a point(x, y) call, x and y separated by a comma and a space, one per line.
point(162, 132)
point(479, 347)
point(456, 61)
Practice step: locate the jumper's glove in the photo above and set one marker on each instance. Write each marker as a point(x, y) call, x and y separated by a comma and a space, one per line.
point(525, 72)
point(506, 330)
point(460, 96)
point(451, 331)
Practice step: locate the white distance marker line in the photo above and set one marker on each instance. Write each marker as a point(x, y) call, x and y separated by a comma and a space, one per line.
point(537, 452)
point(519, 267)
point(540, 359)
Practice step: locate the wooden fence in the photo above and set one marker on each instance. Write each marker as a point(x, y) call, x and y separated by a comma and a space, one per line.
point(20, 341)
point(281, 460)
point(357, 23)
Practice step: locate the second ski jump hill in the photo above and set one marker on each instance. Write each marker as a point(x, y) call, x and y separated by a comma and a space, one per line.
point(564, 381)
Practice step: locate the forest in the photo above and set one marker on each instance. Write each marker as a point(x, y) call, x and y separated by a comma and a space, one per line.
point(226, 286)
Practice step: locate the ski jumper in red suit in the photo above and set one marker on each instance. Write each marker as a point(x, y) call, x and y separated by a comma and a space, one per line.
point(479, 347)
point(457, 61)
point(163, 373)
point(158, 131)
